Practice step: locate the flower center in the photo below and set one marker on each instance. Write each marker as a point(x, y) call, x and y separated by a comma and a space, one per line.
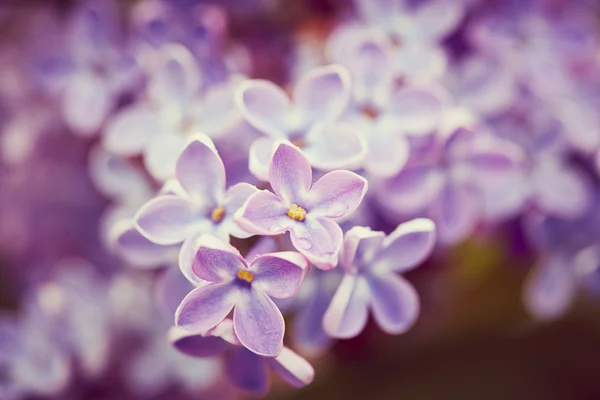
point(370, 111)
point(245, 275)
point(299, 143)
point(296, 213)
point(217, 214)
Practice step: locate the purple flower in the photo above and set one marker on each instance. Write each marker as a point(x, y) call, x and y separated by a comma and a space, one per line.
point(233, 284)
point(244, 369)
point(371, 262)
point(307, 120)
point(307, 212)
point(201, 205)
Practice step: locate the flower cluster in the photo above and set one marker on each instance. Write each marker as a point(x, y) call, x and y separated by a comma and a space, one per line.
point(192, 203)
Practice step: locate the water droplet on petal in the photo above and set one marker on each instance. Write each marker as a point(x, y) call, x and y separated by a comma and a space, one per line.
point(304, 244)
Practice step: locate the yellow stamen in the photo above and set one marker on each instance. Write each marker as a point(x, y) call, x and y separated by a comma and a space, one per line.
point(245, 275)
point(217, 214)
point(299, 143)
point(296, 213)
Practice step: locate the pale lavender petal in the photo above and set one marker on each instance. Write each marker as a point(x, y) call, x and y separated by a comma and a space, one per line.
point(215, 260)
point(247, 371)
point(265, 106)
point(495, 163)
point(137, 250)
point(169, 219)
point(264, 214)
point(204, 307)
point(549, 289)
point(264, 245)
point(455, 213)
point(217, 114)
point(160, 155)
point(130, 130)
point(279, 275)
point(258, 323)
point(394, 302)
point(340, 145)
point(260, 154)
point(406, 247)
point(290, 174)
point(336, 194)
point(437, 18)
point(235, 198)
point(413, 189)
point(196, 345)
point(170, 289)
point(292, 368)
point(319, 240)
point(187, 256)
point(321, 95)
point(200, 171)
point(388, 151)
point(379, 12)
point(86, 103)
point(416, 110)
point(347, 313)
point(421, 63)
point(361, 244)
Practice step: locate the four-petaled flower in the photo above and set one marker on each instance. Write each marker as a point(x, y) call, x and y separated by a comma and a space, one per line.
point(233, 284)
point(306, 212)
point(200, 205)
point(371, 262)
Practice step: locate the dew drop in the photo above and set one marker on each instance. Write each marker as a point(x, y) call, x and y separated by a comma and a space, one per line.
point(304, 244)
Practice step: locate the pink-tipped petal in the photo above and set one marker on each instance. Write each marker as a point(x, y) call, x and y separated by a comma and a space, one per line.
point(290, 174)
point(279, 275)
point(204, 307)
point(336, 194)
point(258, 323)
point(346, 316)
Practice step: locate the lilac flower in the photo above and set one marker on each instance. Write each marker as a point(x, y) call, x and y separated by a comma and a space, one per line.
point(307, 212)
point(246, 288)
point(245, 370)
point(202, 204)
point(307, 120)
point(371, 261)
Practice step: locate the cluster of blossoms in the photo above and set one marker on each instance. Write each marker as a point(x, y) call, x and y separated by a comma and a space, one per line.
point(192, 206)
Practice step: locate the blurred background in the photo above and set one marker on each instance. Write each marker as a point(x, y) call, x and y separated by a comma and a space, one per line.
point(510, 306)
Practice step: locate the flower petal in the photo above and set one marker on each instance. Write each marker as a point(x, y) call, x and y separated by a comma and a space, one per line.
point(264, 213)
point(215, 260)
point(187, 257)
point(279, 275)
point(292, 368)
point(196, 345)
point(86, 103)
point(260, 154)
point(417, 111)
point(361, 244)
point(265, 106)
point(456, 212)
point(258, 323)
point(319, 240)
point(204, 307)
point(169, 219)
point(137, 250)
point(407, 246)
point(201, 172)
point(161, 153)
point(394, 302)
point(128, 132)
point(550, 289)
point(247, 371)
point(437, 18)
point(290, 174)
point(321, 95)
point(336, 194)
point(340, 145)
point(387, 150)
point(347, 314)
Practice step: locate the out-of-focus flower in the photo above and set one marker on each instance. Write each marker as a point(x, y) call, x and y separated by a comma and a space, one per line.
point(371, 262)
point(246, 288)
point(307, 211)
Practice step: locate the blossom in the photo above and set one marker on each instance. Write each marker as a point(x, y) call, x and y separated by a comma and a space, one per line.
point(244, 369)
point(370, 261)
point(307, 119)
point(307, 212)
point(246, 288)
point(201, 205)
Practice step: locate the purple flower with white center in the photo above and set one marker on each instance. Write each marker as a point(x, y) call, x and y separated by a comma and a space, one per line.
point(371, 262)
point(307, 119)
point(385, 113)
point(307, 211)
point(244, 370)
point(201, 206)
point(450, 184)
point(245, 288)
